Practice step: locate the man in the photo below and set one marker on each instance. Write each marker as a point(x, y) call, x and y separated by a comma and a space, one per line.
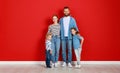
point(66, 23)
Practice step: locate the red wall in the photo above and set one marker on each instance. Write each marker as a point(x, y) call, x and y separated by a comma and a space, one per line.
point(24, 23)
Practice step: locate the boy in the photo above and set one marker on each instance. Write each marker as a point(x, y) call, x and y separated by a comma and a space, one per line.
point(48, 49)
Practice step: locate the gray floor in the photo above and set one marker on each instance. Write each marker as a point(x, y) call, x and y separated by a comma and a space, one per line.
point(41, 69)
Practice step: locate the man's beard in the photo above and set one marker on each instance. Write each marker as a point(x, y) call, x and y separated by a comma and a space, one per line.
point(66, 15)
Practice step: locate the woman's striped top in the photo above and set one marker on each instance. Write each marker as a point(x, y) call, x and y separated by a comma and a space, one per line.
point(54, 29)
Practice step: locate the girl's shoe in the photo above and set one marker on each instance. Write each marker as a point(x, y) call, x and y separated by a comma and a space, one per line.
point(79, 66)
point(76, 66)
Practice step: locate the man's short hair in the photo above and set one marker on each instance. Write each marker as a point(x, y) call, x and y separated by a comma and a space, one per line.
point(66, 7)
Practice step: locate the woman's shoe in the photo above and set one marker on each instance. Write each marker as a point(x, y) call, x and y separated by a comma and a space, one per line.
point(56, 65)
point(53, 65)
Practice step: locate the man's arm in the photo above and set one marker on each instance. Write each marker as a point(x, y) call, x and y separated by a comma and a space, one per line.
point(75, 24)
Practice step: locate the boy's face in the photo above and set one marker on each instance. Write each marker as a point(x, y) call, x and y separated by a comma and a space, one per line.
point(73, 31)
point(49, 37)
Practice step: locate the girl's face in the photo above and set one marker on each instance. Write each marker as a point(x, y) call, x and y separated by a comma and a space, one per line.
point(73, 31)
point(55, 19)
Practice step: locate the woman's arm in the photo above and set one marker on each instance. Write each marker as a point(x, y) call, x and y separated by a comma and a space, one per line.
point(49, 29)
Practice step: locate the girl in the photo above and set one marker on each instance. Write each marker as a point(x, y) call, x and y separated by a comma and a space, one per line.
point(77, 45)
point(55, 30)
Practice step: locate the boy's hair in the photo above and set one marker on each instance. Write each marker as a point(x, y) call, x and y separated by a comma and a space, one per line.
point(77, 32)
point(48, 34)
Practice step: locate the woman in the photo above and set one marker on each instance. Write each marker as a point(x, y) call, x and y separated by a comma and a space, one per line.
point(55, 30)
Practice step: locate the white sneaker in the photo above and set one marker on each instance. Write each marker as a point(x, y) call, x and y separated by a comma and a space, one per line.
point(79, 66)
point(56, 65)
point(53, 65)
point(69, 65)
point(64, 64)
point(76, 65)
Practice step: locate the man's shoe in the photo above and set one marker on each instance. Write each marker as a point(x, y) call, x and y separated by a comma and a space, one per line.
point(64, 64)
point(69, 65)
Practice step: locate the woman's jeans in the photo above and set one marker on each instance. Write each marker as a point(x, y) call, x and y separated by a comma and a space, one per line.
point(78, 55)
point(55, 48)
point(67, 45)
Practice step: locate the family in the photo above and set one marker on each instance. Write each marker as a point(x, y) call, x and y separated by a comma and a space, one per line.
point(65, 32)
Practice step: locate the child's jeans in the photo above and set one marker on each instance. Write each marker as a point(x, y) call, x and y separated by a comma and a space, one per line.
point(78, 55)
point(48, 58)
point(55, 48)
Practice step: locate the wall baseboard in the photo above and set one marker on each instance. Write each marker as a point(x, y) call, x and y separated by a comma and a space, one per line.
point(43, 62)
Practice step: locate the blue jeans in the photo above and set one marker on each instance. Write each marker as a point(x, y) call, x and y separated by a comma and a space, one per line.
point(67, 43)
point(78, 55)
point(48, 58)
point(55, 48)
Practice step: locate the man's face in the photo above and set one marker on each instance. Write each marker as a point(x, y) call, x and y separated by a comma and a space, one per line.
point(66, 12)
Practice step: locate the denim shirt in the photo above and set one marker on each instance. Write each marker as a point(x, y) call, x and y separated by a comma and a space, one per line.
point(72, 24)
point(76, 41)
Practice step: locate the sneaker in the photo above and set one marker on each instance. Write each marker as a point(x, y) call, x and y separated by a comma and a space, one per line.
point(53, 65)
point(69, 65)
point(49, 67)
point(64, 64)
point(79, 66)
point(56, 65)
point(76, 65)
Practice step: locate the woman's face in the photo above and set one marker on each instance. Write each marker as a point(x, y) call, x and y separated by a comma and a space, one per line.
point(55, 19)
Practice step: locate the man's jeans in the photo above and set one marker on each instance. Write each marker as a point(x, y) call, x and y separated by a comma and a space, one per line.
point(55, 48)
point(48, 58)
point(67, 43)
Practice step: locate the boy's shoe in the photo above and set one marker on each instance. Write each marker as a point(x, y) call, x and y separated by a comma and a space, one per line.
point(56, 65)
point(64, 64)
point(69, 65)
point(49, 67)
